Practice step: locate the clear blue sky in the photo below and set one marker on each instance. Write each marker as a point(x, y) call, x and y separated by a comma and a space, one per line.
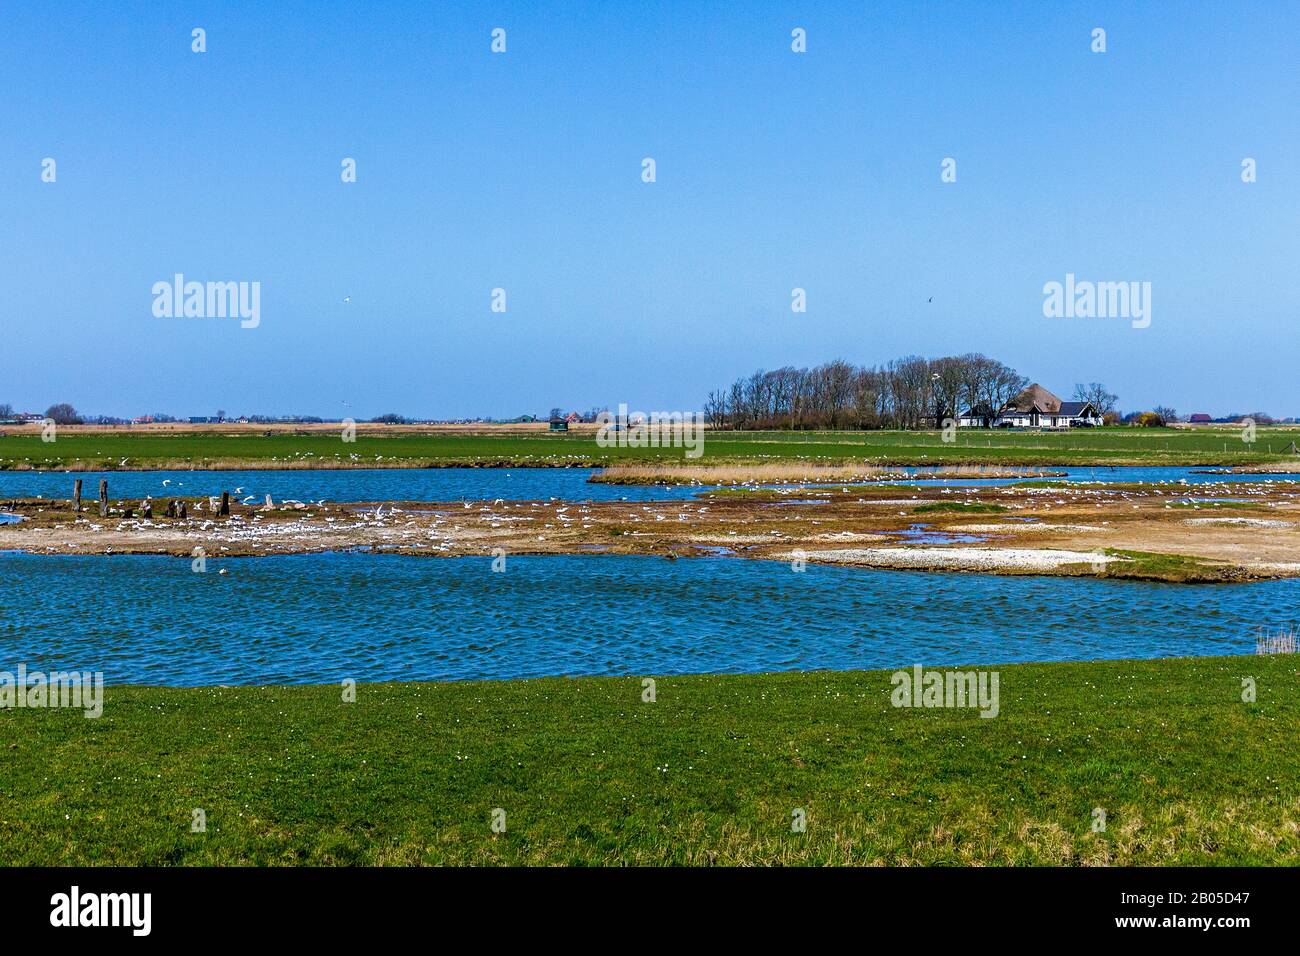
point(522, 170)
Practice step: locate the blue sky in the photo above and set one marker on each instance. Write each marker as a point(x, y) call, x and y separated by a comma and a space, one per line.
point(522, 171)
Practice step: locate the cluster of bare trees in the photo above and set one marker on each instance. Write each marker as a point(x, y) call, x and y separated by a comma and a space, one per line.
point(1102, 398)
point(911, 392)
point(62, 414)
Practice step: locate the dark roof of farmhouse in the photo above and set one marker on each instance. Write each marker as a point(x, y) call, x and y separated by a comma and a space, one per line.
point(1074, 408)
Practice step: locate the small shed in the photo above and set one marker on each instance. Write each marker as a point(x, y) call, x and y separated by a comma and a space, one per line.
point(559, 425)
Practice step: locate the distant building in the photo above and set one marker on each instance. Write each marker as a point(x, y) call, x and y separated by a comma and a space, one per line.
point(1200, 418)
point(559, 425)
point(978, 416)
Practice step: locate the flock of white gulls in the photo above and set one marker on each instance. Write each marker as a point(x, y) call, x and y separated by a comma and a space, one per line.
point(400, 529)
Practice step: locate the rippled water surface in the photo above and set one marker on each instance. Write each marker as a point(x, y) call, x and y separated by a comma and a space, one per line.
point(325, 618)
point(455, 484)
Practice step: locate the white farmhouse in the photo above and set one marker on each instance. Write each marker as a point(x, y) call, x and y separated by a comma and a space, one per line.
point(1035, 407)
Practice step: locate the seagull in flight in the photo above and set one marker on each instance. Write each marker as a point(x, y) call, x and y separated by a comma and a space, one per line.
point(347, 298)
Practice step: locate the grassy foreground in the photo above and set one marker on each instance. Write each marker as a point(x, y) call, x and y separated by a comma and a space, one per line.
point(709, 773)
point(106, 450)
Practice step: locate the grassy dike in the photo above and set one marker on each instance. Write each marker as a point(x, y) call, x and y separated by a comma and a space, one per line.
point(707, 774)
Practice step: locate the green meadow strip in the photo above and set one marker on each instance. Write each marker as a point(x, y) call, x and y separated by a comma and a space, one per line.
point(1169, 755)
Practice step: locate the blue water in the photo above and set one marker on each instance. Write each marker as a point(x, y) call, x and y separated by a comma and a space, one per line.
point(455, 484)
point(325, 618)
point(367, 484)
point(921, 534)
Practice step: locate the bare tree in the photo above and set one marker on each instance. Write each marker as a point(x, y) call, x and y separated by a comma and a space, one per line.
point(867, 394)
point(63, 414)
point(736, 404)
point(1096, 393)
point(975, 370)
point(947, 378)
point(715, 409)
point(1005, 384)
point(910, 392)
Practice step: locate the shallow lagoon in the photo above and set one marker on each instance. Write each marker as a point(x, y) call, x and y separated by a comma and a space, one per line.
point(328, 617)
point(457, 484)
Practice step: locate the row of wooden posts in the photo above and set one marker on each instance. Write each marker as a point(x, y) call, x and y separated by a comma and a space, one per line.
point(175, 509)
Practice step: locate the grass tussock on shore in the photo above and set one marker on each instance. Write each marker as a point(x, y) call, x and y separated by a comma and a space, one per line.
point(1170, 568)
point(959, 507)
point(710, 773)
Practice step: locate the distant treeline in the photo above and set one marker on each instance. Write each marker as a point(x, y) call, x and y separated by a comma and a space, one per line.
point(911, 392)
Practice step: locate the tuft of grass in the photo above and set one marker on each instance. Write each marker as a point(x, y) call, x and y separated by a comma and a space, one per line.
point(961, 507)
point(710, 773)
point(1159, 566)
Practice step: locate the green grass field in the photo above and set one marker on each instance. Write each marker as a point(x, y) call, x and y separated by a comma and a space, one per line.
point(710, 773)
point(1136, 446)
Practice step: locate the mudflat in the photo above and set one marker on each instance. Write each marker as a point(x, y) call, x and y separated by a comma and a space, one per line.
point(1171, 532)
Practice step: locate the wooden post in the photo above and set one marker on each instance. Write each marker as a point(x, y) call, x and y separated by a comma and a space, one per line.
point(225, 503)
point(103, 497)
point(182, 511)
point(76, 495)
point(171, 509)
